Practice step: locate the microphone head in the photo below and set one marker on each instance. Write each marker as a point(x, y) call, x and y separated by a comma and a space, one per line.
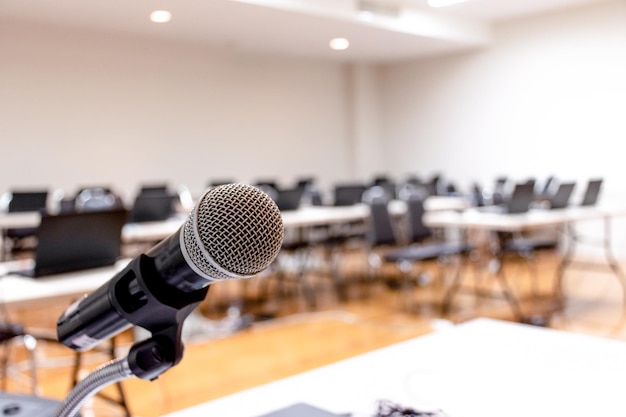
point(235, 231)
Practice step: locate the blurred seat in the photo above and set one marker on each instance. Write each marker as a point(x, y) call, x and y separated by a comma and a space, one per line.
point(386, 247)
point(97, 198)
point(521, 245)
point(19, 201)
point(153, 189)
point(220, 181)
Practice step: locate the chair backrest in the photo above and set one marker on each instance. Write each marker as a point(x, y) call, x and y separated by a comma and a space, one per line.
point(381, 231)
point(592, 192)
point(97, 199)
point(499, 191)
point(220, 181)
point(433, 186)
point(376, 192)
point(348, 194)
point(20, 201)
point(548, 186)
point(417, 230)
point(315, 196)
point(153, 189)
point(477, 195)
point(523, 194)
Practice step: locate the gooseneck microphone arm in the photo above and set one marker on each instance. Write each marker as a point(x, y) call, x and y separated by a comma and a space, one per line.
point(147, 359)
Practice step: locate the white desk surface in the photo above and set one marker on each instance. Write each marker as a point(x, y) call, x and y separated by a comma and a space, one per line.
point(483, 368)
point(23, 292)
point(533, 219)
point(323, 215)
point(306, 216)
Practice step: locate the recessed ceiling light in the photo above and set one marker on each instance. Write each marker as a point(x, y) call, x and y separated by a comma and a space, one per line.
point(160, 16)
point(339, 44)
point(443, 3)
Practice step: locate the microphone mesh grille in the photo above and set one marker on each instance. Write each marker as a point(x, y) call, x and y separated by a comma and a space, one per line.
point(239, 227)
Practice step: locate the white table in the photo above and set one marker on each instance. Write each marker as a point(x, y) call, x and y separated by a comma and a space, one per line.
point(533, 219)
point(483, 368)
point(24, 292)
point(305, 216)
point(536, 219)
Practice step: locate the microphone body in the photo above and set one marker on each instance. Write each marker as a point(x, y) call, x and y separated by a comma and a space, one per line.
point(234, 232)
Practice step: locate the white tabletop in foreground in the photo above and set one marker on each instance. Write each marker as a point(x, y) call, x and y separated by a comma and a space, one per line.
point(483, 368)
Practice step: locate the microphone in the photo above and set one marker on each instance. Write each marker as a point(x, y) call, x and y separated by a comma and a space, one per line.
point(235, 231)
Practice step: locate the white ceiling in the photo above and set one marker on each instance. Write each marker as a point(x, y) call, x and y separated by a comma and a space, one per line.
point(293, 27)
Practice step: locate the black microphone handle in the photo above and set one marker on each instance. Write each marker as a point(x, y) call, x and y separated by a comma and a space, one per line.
point(150, 292)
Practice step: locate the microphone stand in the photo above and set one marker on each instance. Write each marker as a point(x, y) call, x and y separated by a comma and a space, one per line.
point(146, 359)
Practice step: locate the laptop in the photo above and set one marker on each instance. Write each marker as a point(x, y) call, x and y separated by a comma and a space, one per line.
point(591, 193)
point(561, 198)
point(348, 194)
point(523, 195)
point(75, 241)
point(152, 208)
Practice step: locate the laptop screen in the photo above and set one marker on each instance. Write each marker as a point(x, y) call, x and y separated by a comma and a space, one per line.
point(562, 196)
point(521, 198)
point(152, 207)
point(74, 241)
point(591, 193)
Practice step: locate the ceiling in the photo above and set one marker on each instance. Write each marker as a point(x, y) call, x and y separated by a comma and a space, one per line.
point(397, 30)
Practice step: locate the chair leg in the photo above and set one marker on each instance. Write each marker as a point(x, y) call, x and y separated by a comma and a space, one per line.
point(406, 267)
point(508, 293)
point(29, 343)
point(337, 276)
point(452, 290)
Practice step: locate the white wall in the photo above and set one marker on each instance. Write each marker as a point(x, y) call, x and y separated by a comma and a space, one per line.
point(368, 152)
point(81, 108)
point(548, 97)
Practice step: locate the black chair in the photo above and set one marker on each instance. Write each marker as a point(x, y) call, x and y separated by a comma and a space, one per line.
point(220, 181)
point(387, 184)
point(524, 246)
point(341, 234)
point(478, 195)
point(20, 201)
point(91, 198)
point(548, 187)
point(386, 247)
point(499, 191)
point(434, 185)
point(153, 189)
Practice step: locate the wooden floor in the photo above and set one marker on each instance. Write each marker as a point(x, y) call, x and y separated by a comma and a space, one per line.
point(289, 336)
